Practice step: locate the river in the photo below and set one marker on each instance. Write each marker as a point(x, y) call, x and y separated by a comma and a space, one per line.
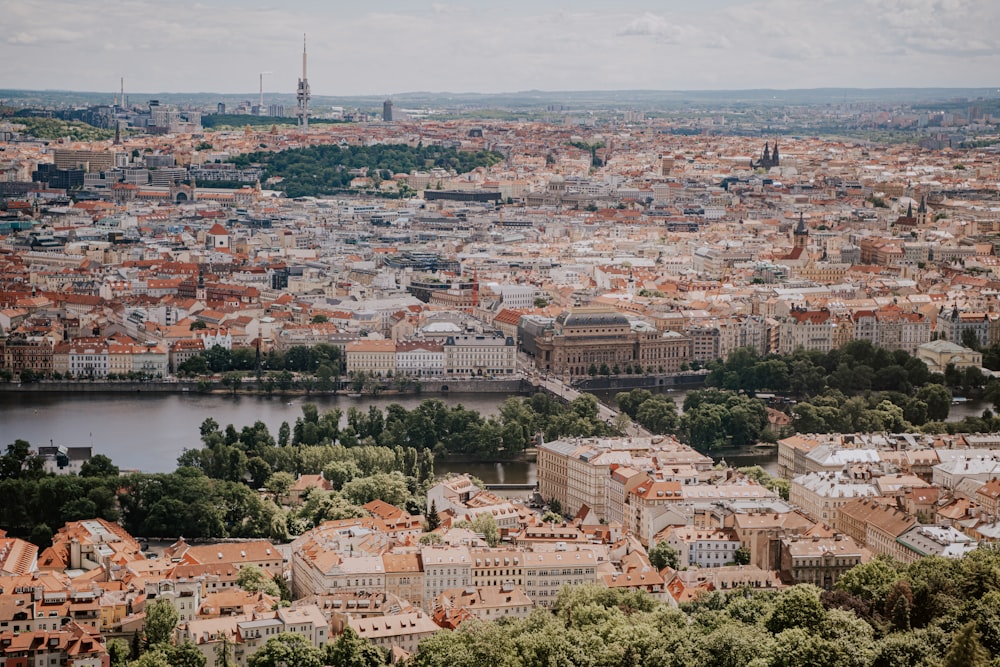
point(149, 431)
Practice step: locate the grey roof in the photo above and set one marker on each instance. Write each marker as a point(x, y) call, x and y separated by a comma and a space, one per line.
point(570, 318)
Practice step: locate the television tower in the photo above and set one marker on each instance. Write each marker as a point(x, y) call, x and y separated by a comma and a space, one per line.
point(302, 94)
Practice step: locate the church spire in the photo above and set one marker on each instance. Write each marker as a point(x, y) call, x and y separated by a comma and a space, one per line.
point(801, 233)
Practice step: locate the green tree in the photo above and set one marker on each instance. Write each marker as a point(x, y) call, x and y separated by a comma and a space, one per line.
point(254, 579)
point(154, 658)
point(432, 520)
point(900, 614)
point(486, 525)
point(285, 650)
point(118, 652)
point(917, 648)
point(41, 535)
point(797, 607)
point(663, 555)
point(161, 619)
point(350, 650)
point(185, 654)
point(870, 582)
point(970, 339)
point(98, 465)
point(279, 484)
point(965, 650)
point(658, 415)
point(742, 556)
point(390, 487)
point(734, 645)
point(703, 427)
point(339, 473)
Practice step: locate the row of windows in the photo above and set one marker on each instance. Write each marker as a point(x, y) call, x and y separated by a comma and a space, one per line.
point(555, 573)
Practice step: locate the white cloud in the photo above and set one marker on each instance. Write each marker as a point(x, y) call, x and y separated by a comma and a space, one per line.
point(466, 45)
point(654, 25)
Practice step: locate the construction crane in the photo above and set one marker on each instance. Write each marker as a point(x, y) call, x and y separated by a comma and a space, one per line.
point(260, 103)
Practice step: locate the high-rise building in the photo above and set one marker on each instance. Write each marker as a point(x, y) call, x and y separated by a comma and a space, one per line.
point(387, 111)
point(302, 94)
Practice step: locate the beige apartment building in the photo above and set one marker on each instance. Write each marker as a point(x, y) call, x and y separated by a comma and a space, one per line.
point(546, 572)
point(374, 357)
point(654, 505)
point(497, 567)
point(821, 495)
point(404, 576)
point(574, 471)
point(617, 486)
point(444, 567)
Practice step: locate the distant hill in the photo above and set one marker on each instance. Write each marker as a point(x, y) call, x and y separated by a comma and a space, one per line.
point(533, 100)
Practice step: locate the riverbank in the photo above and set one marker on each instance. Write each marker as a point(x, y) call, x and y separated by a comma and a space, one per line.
point(423, 387)
point(529, 455)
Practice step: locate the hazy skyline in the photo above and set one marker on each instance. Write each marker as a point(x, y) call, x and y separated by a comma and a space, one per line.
point(396, 46)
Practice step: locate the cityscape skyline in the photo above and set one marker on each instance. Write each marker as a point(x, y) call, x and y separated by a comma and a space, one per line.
point(458, 47)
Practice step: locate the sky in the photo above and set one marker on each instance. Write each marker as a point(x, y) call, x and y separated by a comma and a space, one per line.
point(382, 47)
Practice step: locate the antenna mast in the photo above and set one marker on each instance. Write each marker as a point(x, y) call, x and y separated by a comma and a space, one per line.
point(302, 94)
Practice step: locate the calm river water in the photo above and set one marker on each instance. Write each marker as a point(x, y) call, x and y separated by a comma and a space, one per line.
point(149, 431)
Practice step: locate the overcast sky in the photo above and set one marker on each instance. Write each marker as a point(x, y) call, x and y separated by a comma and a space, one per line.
point(390, 46)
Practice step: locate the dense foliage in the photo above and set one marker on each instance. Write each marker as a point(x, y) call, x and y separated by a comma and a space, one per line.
point(854, 368)
point(53, 128)
point(713, 419)
point(220, 120)
point(299, 359)
point(882, 614)
point(858, 388)
point(291, 649)
point(318, 170)
point(33, 504)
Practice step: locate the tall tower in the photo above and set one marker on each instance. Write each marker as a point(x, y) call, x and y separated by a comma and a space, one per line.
point(302, 94)
point(801, 233)
point(387, 111)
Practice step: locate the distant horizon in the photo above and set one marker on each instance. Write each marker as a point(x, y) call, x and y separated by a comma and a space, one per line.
point(985, 91)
